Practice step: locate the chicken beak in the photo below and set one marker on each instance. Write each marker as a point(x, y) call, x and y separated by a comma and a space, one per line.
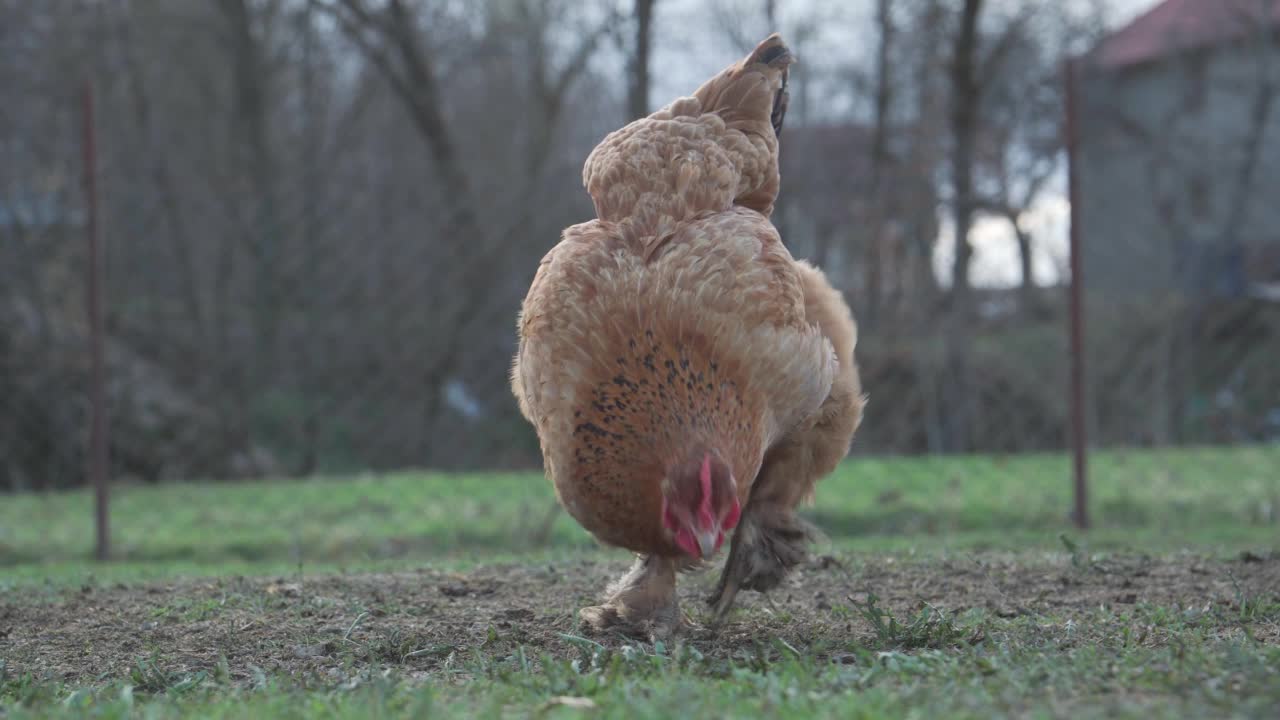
point(707, 543)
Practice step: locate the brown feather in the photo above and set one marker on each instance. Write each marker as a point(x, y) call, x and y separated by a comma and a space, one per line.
point(630, 359)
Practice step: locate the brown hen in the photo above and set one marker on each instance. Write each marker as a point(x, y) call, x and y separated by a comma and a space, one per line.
point(684, 373)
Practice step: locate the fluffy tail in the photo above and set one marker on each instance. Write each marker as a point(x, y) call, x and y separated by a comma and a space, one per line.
point(751, 95)
point(704, 153)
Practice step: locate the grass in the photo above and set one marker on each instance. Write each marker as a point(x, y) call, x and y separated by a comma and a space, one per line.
point(1160, 500)
point(981, 685)
point(982, 669)
point(1191, 654)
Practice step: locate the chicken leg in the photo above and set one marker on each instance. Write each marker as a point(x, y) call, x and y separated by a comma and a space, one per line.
point(641, 603)
point(771, 539)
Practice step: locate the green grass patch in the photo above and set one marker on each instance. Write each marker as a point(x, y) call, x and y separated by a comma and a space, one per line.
point(1015, 668)
point(1227, 499)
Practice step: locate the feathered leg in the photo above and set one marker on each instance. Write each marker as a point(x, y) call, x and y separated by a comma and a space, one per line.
point(771, 539)
point(641, 603)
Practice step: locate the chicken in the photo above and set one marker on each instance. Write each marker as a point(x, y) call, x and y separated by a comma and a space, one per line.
point(685, 375)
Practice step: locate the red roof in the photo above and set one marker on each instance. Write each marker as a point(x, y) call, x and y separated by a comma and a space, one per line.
point(1175, 26)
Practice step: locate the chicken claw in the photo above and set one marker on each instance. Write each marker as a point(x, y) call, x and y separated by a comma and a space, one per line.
point(769, 542)
point(641, 604)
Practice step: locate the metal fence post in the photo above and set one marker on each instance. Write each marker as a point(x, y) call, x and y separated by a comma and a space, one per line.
point(96, 459)
point(1079, 441)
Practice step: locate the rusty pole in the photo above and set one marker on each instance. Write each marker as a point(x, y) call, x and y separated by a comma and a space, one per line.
point(96, 459)
point(1079, 440)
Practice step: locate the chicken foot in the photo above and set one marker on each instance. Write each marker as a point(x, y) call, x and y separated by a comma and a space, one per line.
point(769, 542)
point(771, 539)
point(641, 603)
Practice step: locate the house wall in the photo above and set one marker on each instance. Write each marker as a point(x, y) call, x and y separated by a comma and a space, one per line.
point(1163, 148)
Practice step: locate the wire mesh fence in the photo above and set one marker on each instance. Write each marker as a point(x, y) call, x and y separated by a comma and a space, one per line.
point(319, 226)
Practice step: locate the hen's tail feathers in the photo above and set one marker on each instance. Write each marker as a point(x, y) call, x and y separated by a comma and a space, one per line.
point(753, 91)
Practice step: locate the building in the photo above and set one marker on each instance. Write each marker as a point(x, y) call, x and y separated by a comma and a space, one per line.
point(1178, 152)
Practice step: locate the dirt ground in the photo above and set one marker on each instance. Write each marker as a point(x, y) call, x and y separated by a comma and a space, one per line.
point(320, 627)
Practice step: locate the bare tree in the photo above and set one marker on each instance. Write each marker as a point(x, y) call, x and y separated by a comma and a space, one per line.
point(264, 239)
point(916, 286)
point(392, 41)
point(551, 85)
point(638, 81)
point(883, 110)
point(975, 62)
point(1022, 144)
point(965, 98)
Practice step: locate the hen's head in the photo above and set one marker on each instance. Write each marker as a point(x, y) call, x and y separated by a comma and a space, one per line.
point(700, 504)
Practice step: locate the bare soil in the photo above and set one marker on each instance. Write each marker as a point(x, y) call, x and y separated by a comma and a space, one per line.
point(320, 627)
